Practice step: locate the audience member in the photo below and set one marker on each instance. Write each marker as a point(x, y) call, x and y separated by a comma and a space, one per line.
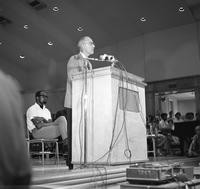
point(15, 170)
point(165, 138)
point(189, 116)
point(197, 116)
point(178, 117)
point(40, 124)
point(164, 125)
point(194, 149)
point(162, 143)
point(171, 124)
point(171, 115)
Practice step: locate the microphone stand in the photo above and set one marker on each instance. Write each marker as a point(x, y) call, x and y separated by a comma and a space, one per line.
point(85, 112)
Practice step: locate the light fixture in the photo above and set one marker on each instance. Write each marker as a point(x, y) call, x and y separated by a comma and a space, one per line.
point(80, 29)
point(1, 42)
point(50, 43)
point(56, 9)
point(26, 26)
point(22, 56)
point(181, 9)
point(143, 19)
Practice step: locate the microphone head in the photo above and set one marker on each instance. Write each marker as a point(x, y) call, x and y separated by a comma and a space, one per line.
point(106, 57)
point(111, 58)
point(103, 57)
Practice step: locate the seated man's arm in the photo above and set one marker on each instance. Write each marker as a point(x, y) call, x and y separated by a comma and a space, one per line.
point(40, 122)
point(47, 120)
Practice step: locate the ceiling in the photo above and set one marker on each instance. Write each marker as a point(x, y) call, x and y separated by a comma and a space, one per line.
point(106, 21)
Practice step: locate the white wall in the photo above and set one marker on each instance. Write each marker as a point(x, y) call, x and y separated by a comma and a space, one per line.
point(171, 53)
point(185, 106)
point(165, 106)
point(164, 54)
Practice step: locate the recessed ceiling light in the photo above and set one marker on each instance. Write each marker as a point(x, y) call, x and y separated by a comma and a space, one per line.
point(80, 29)
point(143, 19)
point(56, 9)
point(26, 26)
point(50, 43)
point(181, 9)
point(22, 56)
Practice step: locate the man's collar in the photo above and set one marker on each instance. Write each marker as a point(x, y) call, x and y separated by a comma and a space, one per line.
point(40, 106)
point(83, 55)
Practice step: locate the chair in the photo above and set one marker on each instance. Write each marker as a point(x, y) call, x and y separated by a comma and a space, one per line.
point(41, 141)
point(153, 150)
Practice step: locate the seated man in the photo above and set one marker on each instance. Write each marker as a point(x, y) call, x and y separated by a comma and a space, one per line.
point(40, 123)
point(194, 149)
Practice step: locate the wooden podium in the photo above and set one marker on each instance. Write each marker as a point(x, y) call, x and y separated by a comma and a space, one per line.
point(115, 103)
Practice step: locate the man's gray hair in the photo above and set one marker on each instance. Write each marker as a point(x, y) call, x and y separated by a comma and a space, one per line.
point(81, 41)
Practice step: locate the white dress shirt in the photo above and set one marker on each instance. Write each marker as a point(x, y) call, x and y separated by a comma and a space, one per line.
point(36, 111)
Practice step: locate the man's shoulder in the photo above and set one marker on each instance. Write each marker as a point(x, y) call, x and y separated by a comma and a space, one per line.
point(46, 109)
point(195, 137)
point(74, 58)
point(31, 107)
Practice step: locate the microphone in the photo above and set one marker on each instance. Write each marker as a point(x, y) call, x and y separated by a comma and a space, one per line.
point(108, 58)
point(105, 57)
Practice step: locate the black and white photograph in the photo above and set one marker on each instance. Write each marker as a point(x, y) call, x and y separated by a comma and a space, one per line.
point(99, 94)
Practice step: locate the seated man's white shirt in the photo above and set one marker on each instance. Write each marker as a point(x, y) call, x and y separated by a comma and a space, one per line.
point(36, 111)
point(163, 124)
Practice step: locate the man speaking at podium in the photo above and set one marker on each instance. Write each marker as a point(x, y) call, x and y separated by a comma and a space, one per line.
point(76, 64)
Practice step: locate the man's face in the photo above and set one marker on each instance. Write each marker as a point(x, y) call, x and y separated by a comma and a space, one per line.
point(42, 99)
point(165, 117)
point(88, 46)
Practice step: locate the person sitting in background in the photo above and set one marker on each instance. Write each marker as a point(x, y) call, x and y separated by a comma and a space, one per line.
point(194, 149)
point(173, 140)
point(171, 115)
point(164, 125)
point(162, 143)
point(178, 117)
point(197, 116)
point(165, 136)
point(189, 116)
point(15, 169)
point(40, 124)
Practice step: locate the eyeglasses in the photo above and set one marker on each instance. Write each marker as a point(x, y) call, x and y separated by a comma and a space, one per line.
point(44, 96)
point(90, 43)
